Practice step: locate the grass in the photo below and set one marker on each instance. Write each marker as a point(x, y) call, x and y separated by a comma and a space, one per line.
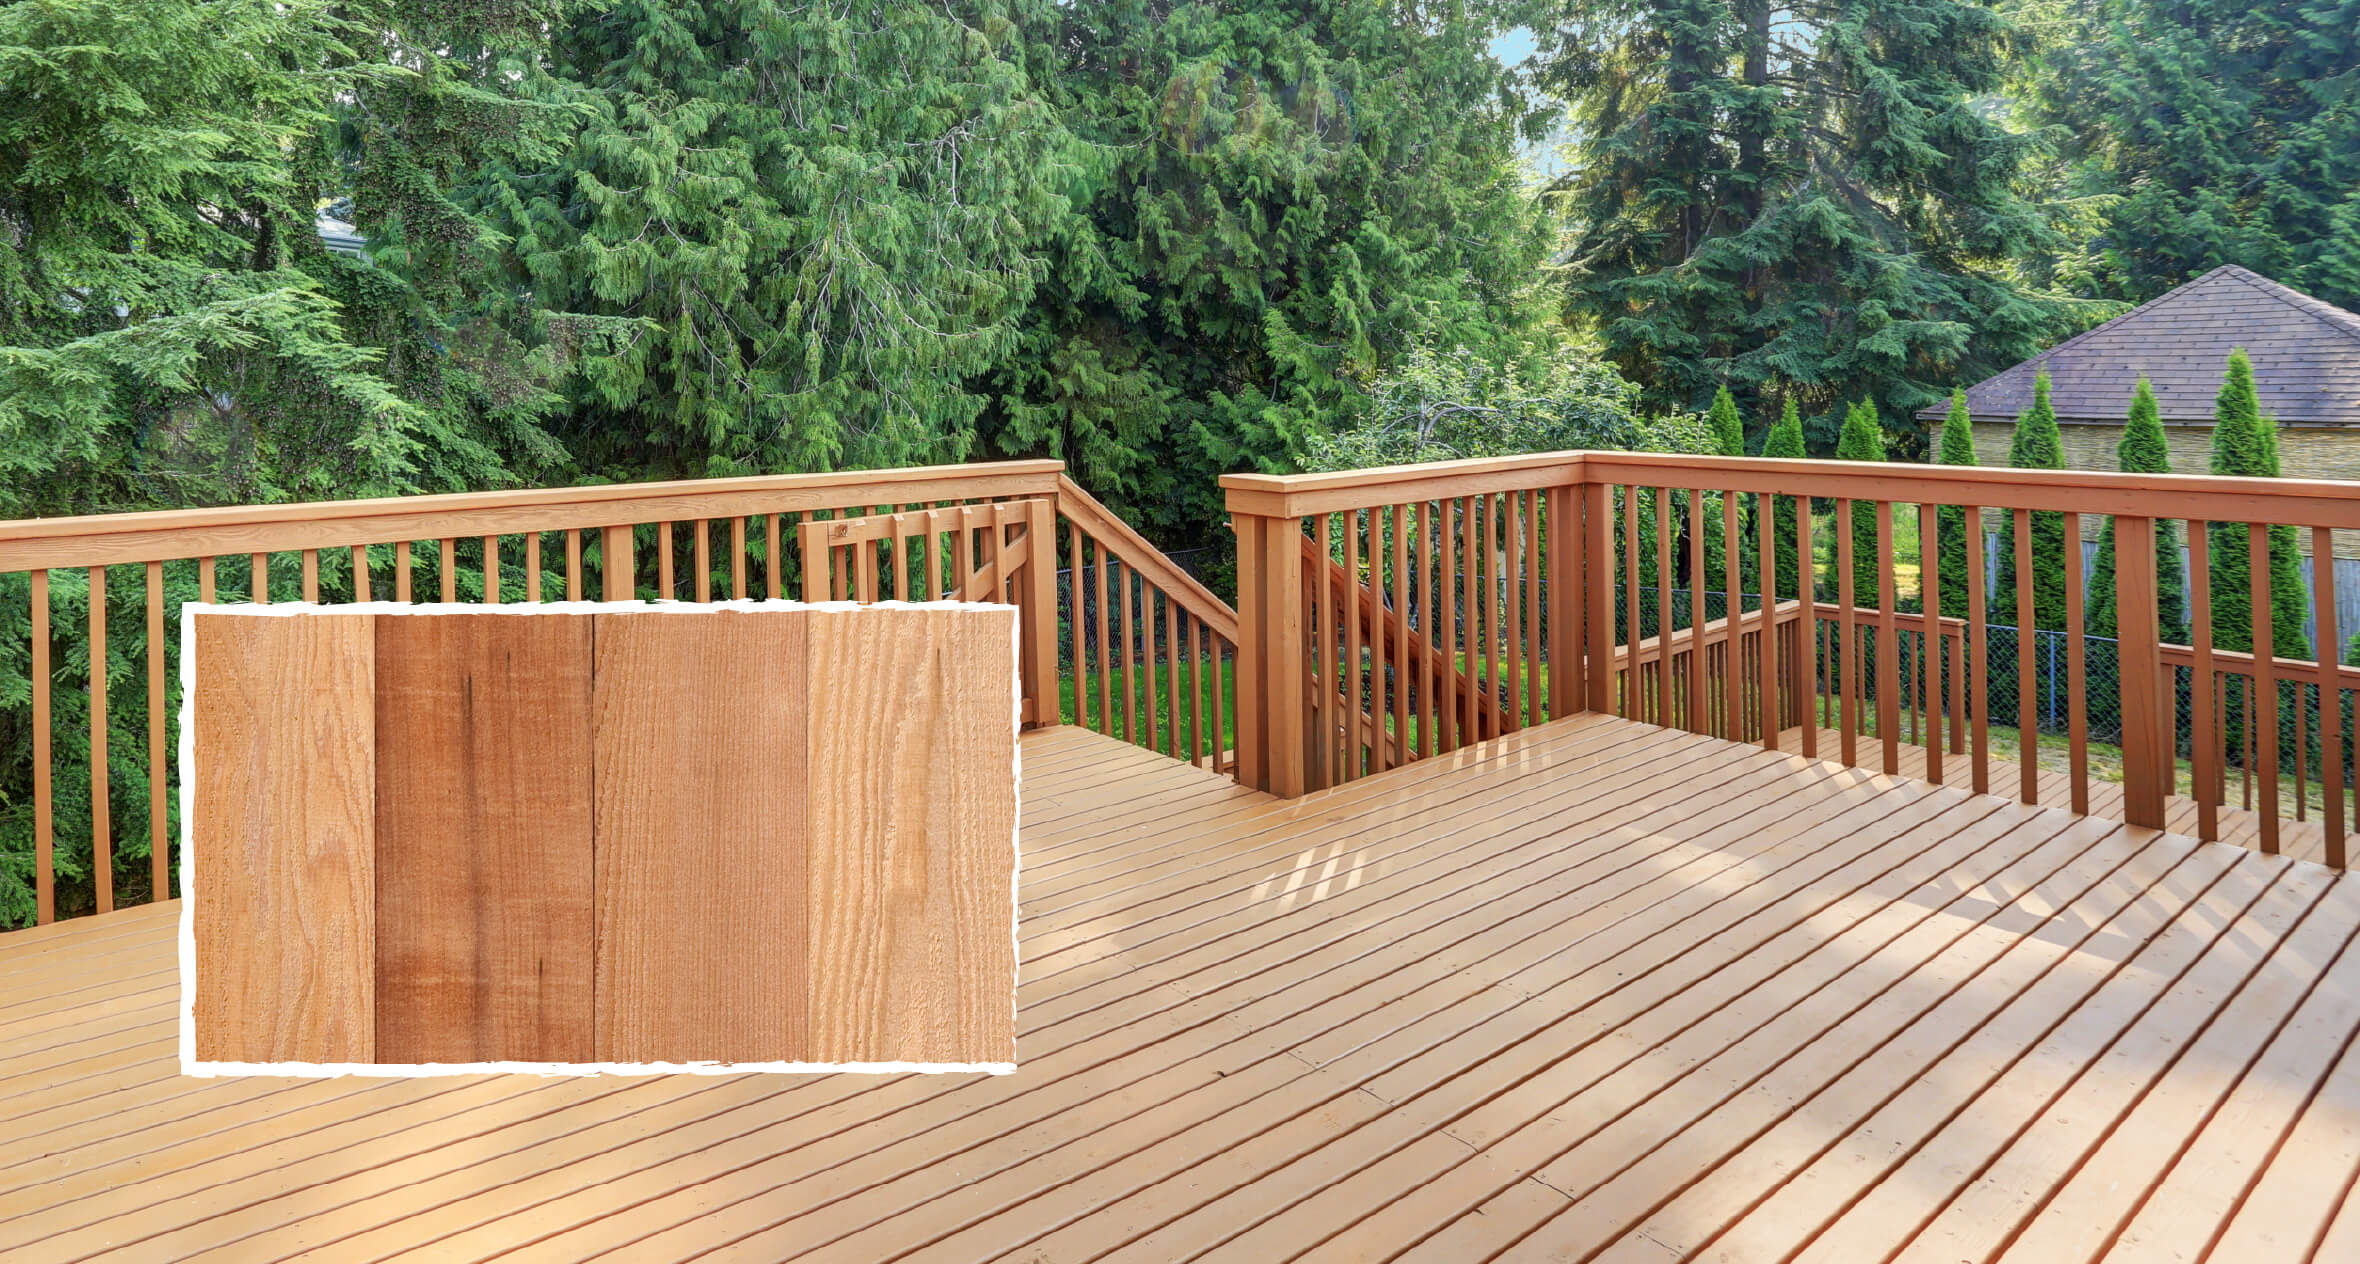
point(1153, 725)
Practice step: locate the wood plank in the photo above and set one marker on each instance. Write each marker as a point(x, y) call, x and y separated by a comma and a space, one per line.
point(912, 820)
point(282, 833)
point(699, 871)
point(483, 859)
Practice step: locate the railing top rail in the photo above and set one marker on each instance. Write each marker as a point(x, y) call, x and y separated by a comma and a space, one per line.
point(103, 539)
point(2213, 498)
point(1096, 521)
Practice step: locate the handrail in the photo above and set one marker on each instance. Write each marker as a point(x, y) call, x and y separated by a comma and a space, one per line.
point(1132, 550)
point(113, 539)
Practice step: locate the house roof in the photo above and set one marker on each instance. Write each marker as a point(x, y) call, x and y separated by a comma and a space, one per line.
point(2306, 358)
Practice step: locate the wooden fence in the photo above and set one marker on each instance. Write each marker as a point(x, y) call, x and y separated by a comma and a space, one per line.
point(1111, 629)
point(1448, 602)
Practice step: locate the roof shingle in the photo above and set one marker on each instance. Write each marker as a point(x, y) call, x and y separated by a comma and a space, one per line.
point(2306, 358)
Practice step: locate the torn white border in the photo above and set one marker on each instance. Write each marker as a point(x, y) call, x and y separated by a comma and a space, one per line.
point(191, 1066)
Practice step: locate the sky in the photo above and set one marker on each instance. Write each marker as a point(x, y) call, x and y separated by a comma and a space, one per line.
point(1513, 47)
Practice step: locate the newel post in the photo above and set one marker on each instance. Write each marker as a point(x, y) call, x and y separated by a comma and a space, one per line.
point(2146, 736)
point(1271, 753)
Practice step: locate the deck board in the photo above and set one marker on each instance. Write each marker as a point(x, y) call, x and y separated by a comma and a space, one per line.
point(1592, 991)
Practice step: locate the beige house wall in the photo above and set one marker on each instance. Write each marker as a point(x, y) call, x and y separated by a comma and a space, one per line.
point(2302, 453)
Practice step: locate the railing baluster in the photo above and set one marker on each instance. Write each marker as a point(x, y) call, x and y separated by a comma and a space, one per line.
point(1511, 621)
point(1074, 621)
point(450, 569)
point(1664, 611)
point(2331, 710)
point(159, 725)
point(1696, 649)
point(618, 576)
point(258, 569)
point(1535, 600)
point(1469, 661)
point(1487, 522)
point(1977, 681)
point(1888, 645)
point(1733, 708)
point(1105, 643)
point(1807, 592)
point(1196, 689)
point(401, 567)
point(102, 831)
point(2077, 726)
point(1445, 637)
point(1401, 592)
point(205, 574)
point(1766, 699)
point(532, 567)
point(2027, 678)
point(2264, 693)
point(1631, 705)
point(1130, 683)
point(1929, 523)
point(1349, 672)
point(491, 570)
point(704, 564)
point(311, 575)
point(44, 833)
point(737, 558)
point(2147, 720)
point(665, 591)
point(772, 542)
point(360, 573)
point(1171, 669)
point(573, 567)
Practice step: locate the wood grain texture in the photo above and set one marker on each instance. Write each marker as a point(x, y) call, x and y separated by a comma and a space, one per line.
point(912, 815)
point(698, 750)
point(483, 838)
point(282, 831)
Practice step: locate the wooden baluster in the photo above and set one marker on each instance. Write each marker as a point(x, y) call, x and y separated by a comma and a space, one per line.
point(2077, 726)
point(311, 575)
point(1847, 643)
point(737, 558)
point(2147, 737)
point(44, 834)
point(1664, 612)
point(1958, 693)
point(450, 569)
point(1591, 575)
point(618, 570)
point(1348, 672)
point(159, 724)
point(1196, 689)
point(360, 573)
point(1443, 641)
point(258, 565)
point(1632, 704)
point(1073, 544)
point(905, 543)
point(1224, 678)
point(205, 580)
point(1807, 591)
point(1975, 685)
point(1733, 605)
point(2331, 709)
point(1105, 644)
point(1930, 606)
point(1130, 690)
point(1767, 698)
point(1529, 568)
point(2027, 666)
point(702, 552)
point(1171, 676)
point(1488, 586)
point(1511, 664)
point(1428, 711)
point(2263, 710)
point(573, 566)
point(665, 591)
point(1470, 627)
point(1401, 596)
point(102, 831)
point(772, 541)
point(491, 570)
point(1888, 646)
point(401, 571)
point(1695, 614)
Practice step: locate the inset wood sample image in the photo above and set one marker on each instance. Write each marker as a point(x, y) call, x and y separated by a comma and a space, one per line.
point(611, 836)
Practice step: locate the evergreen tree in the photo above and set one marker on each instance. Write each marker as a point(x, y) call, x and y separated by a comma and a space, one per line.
point(794, 265)
point(1806, 196)
point(1785, 441)
point(2215, 131)
point(1727, 432)
point(1283, 199)
point(1864, 440)
point(2036, 445)
point(2245, 444)
point(1953, 538)
point(2143, 451)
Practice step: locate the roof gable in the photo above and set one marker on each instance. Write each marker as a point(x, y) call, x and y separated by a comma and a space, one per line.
point(2306, 358)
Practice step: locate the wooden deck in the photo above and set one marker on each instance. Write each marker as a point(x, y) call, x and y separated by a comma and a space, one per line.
point(1593, 991)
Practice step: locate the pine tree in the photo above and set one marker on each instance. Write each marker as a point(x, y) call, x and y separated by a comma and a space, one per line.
point(2036, 445)
point(1809, 198)
point(2245, 444)
point(2216, 131)
point(1785, 441)
point(1864, 440)
point(1957, 447)
point(2143, 450)
point(1727, 432)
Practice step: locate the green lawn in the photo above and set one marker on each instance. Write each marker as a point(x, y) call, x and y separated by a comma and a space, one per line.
point(1150, 696)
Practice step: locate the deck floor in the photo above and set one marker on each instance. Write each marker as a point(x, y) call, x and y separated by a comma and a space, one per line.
point(1592, 991)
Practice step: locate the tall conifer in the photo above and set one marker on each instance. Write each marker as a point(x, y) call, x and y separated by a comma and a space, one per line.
point(2036, 445)
point(1957, 447)
point(2143, 450)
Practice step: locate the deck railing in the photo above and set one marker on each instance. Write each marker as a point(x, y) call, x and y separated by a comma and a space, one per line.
point(96, 775)
point(1444, 603)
